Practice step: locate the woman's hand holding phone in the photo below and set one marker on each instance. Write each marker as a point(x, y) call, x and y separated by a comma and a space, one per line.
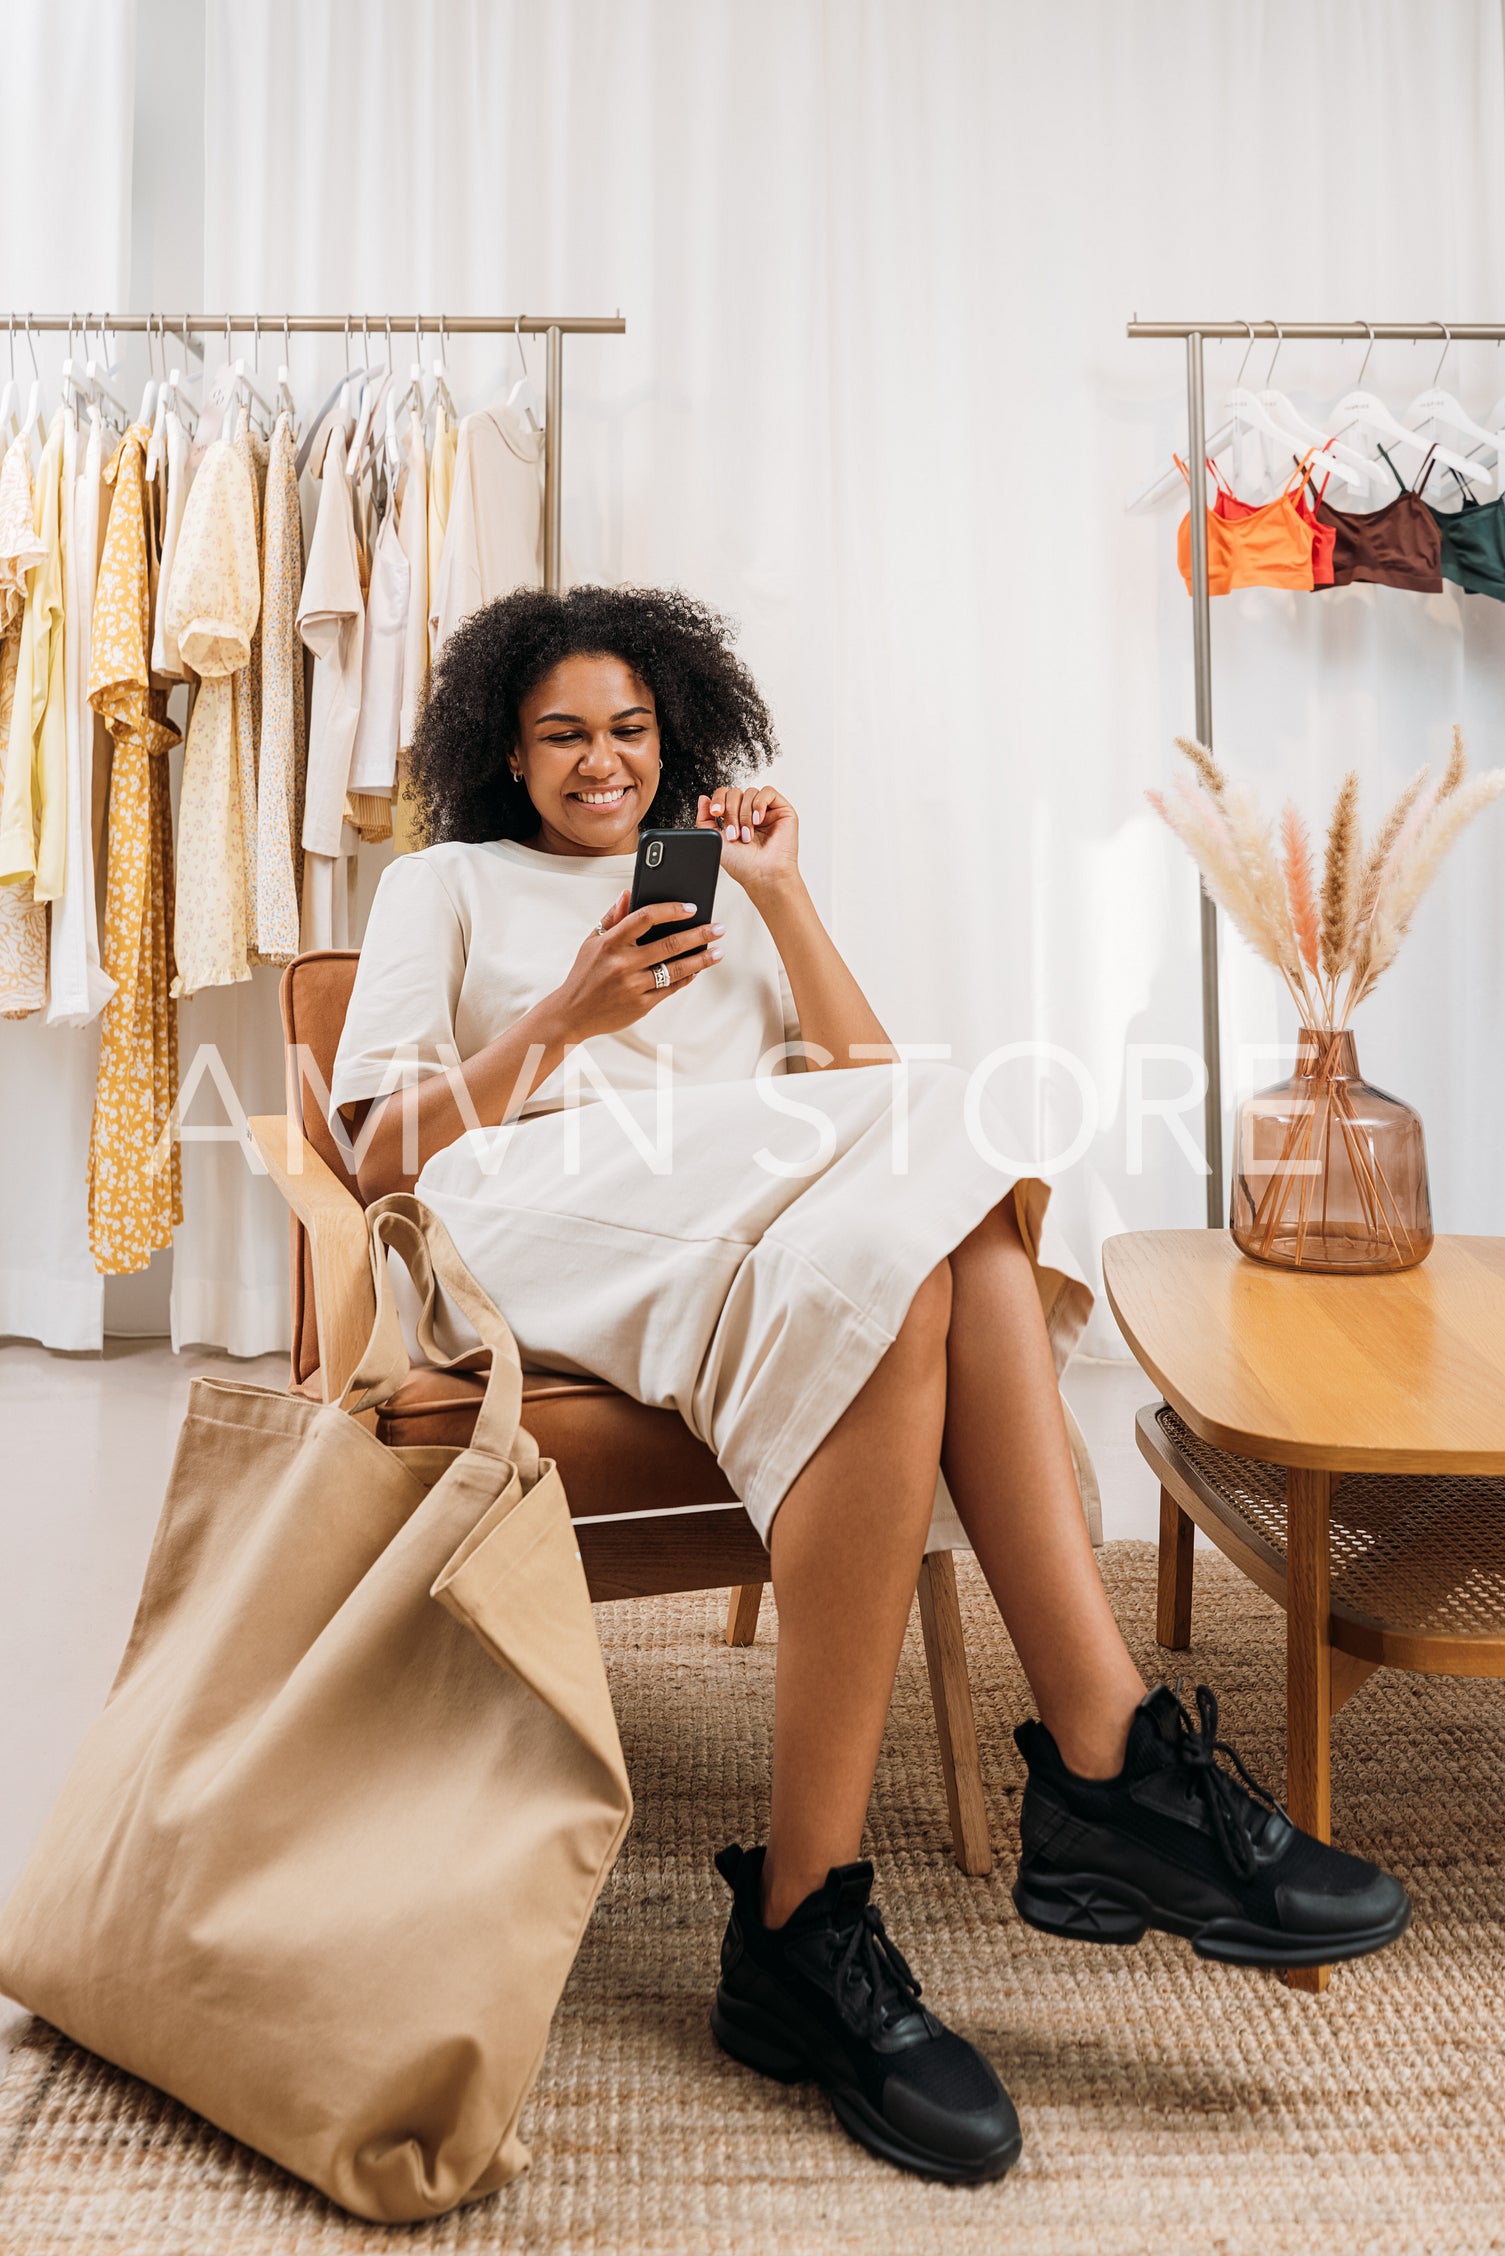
point(611, 982)
point(760, 834)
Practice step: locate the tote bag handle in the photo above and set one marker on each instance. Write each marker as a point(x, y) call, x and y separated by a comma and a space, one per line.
point(427, 1251)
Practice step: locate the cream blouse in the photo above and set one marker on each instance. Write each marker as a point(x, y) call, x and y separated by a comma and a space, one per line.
point(213, 604)
point(463, 939)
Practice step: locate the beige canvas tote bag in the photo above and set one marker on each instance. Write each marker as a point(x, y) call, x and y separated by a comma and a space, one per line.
point(323, 1863)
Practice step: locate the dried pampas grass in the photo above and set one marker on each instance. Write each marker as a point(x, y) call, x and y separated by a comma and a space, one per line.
point(1331, 947)
point(1340, 878)
point(1296, 865)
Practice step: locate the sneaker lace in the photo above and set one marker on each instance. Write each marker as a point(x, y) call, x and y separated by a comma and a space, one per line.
point(1228, 1802)
point(870, 1953)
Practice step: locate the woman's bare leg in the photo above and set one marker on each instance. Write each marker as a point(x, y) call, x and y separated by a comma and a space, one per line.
point(1008, 1465)
point(846, 1548)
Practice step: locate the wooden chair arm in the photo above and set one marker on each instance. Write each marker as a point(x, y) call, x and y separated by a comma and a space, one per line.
point(344, 1297)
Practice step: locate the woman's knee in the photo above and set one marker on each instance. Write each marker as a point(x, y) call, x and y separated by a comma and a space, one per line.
point(998, 1233)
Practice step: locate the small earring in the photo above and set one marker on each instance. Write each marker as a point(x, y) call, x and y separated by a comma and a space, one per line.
point(516, 774)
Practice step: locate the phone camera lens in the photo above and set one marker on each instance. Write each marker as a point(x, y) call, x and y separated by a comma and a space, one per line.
point(654, 855)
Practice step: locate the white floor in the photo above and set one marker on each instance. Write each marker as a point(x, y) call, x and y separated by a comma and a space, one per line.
point(87, 1443)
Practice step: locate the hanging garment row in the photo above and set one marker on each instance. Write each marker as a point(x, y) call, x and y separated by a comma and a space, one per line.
point(1300, 540)
point(140, 554)
point(1305, 540)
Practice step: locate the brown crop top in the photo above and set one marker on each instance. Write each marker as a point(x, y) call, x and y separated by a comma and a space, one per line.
point(1398, 545)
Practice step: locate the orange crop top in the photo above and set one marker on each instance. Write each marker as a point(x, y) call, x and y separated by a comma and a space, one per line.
point(1271, 546)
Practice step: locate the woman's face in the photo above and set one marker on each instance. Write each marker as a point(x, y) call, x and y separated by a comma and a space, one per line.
point(587, 751)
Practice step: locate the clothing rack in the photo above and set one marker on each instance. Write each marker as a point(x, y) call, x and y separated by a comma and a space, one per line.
point(1195, 333)
point(553, 326)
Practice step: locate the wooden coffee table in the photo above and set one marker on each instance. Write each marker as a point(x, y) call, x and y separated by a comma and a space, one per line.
point(1342, 1439)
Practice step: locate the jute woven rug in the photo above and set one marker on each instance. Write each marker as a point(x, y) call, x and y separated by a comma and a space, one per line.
point(1168, 2106)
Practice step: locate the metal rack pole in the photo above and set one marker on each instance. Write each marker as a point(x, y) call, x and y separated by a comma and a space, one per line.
point(1336, 332)
point(553, 433)
point(325, 324)
point(1201, 644)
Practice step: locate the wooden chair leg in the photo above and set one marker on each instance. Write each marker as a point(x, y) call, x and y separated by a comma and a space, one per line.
point(1309, 1690)
point(1178, 1535)
point(955, 1724)
point(742, 1613)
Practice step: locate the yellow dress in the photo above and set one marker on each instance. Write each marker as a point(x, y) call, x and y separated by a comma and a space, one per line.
point(213, 604)
point(23, 918)
point(252, 450)
point(282, 751)
point(441, 486)
point(34, 805)
point(134, 1203)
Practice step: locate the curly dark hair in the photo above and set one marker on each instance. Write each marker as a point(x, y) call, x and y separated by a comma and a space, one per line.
point(713, 724)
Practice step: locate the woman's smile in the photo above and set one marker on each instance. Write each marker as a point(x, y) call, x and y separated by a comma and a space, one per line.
point(600, 795)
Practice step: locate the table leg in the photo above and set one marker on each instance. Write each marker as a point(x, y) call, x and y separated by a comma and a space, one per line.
point(1178, 1536)
point(1308, 1669)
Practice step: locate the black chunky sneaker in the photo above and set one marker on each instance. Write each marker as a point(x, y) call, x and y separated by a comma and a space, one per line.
point(1177, 1842)
point(827, 1998)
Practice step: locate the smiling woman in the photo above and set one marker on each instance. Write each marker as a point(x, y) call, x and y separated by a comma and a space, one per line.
point(830, 1322)
point(678, 713)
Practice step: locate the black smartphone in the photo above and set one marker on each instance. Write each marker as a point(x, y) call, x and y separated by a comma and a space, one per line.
point(676, 865)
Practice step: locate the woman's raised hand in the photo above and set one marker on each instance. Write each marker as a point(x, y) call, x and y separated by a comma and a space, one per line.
point(611, 984)
point(760, 832)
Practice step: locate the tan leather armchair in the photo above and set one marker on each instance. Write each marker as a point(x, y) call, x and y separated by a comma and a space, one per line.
point(651, 1506)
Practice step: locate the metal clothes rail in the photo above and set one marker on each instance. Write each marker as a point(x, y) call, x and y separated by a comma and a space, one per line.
point(555, 327)
point(1195, 333)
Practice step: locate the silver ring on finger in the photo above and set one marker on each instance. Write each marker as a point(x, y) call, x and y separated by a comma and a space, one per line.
point(599, 929)
point(662, 976)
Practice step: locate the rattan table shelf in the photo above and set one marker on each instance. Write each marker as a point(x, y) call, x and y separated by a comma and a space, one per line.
point(1342, 1440)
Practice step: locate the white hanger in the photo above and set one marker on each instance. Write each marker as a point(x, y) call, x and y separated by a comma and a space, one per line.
point(372, 394)
point(245, 391)
point(1249, 409)
point(522, 396)
point(149, 397)
point(442, 393)
point(171, 400)
point(96, 371)
point(33, 415)
point(1243, 407)
point(12, 391)
point(1272, 414)
point(1335, 455)
point(413, 396)
point(336, 409)
point(1360, 410)
point(286, 404)
point(1434, 406)
point(75, 387)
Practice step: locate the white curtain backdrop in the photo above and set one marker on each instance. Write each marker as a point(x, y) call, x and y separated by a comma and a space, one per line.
point(876, 401)
point(64, 241)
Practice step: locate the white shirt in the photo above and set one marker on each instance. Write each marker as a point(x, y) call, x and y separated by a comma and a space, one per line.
point(332, 622)
point(412, 527)
point(463, 939)
point(373, 761)
point(78, 988)
point(493, 541)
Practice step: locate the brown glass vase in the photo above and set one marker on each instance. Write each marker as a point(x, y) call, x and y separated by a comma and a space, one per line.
point(1329, 1172)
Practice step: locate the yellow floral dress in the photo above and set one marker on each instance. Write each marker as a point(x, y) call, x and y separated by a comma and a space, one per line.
point(440, 487)
point(252, 450)
point(282, 753)
point(134, 1203)
point(23, 918)
point(213, 604)
point(34, 802)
